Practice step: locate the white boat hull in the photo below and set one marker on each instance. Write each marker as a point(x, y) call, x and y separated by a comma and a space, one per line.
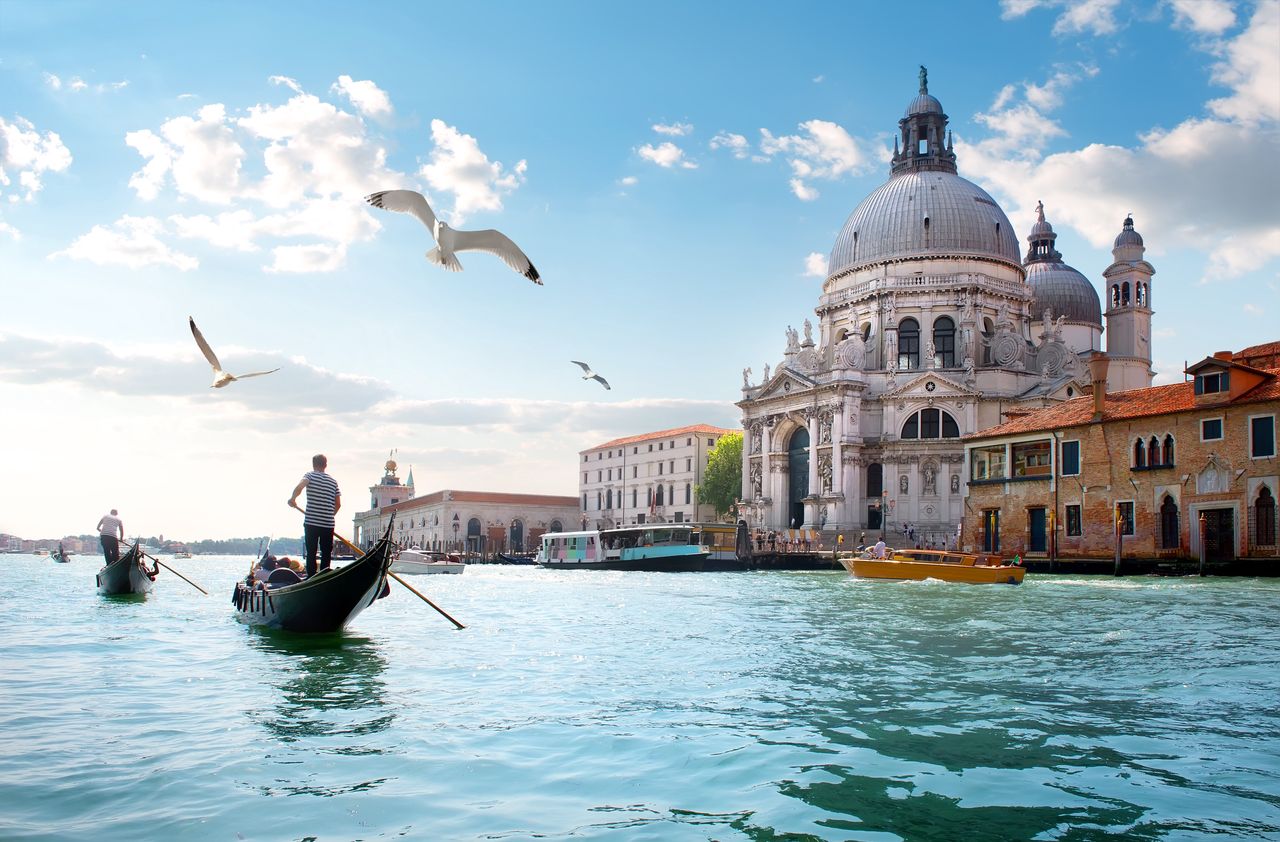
point(415, 563)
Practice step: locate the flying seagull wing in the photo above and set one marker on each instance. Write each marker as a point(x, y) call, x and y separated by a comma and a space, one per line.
point(497, 243)
point(256, 374)
point(204, 346)
point(603, 382)
point(586, 368)
point(405, 201)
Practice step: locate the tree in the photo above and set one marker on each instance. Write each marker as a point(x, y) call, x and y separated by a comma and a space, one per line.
point(722, 483)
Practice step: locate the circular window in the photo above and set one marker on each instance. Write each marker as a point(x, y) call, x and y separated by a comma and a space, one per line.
point(930, 386)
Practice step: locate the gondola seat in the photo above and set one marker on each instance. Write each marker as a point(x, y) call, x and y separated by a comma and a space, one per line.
point(282, 576)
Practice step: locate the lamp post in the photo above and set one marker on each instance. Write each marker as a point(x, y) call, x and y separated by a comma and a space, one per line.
point(455, 531)
point(884, 512)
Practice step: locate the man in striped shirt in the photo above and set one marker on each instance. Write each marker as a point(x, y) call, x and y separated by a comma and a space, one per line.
point(323, 502)
point(110, 534)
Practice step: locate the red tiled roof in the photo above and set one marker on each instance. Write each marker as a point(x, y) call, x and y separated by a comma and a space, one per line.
point(662, 434)
point(1135, 403)
point(1267, 349)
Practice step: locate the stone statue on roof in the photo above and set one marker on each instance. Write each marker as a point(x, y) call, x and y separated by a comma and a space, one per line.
point(1039, 211)
point(924, 80)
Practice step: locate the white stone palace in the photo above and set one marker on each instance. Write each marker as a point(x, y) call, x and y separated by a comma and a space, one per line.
point(931, 325)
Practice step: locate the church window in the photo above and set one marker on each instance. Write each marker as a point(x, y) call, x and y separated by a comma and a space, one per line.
point(930, 424)
point(1264, 518)
point(1115, 295)
point(1168, 451)
point(1139, 454)
point(1124, 293)
point(1262, 436)
point(944, 341)
point(1210, 429)
point(1169, 539)
point(923, 147)
point(908, 344)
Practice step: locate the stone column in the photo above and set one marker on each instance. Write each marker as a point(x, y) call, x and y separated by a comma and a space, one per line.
point(837, 455)
point(766, 475)
point(744, 493)
point(813, 453)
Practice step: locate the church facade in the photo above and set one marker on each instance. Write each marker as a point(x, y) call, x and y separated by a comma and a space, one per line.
point(931, 325)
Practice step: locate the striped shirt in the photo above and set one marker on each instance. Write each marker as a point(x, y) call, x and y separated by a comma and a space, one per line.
point(322, 494)
point(110, 526)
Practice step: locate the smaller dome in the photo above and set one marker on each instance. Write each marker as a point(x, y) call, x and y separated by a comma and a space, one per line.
point(1042, 230)
point(924, 104)
point(1056, 286)
point(1128, 237)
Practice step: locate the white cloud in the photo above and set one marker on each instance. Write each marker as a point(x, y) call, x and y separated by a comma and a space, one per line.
point(824, 151)
point(75, 84)
point(200, 155)
point(130, 241)
point(815, 265)
point(1186, 185)
point(367, 97)
point(1211, 17)
point(818, 79)
point(1253, 309)
point(666, 154)
point(628, 181)
point(287, 81)
point(735, 143)
point(317, 257)
point(53, 81)
point(457, 165)
point(10, 231)
point(673, 129)
point(25, 153)
point(1092, 16)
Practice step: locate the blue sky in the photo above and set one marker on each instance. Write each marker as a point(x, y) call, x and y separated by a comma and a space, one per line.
point(677, 172)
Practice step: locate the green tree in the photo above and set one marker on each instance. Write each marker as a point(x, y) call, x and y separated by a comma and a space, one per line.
point(722, 482)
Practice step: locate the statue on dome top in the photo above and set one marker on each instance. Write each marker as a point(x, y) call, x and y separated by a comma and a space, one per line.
point(1039, 211)
point(924, 80)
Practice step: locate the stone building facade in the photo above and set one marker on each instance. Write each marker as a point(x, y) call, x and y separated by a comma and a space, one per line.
point(931, 324)
point(477, 521)
point(1164, 471)
point(647, 478)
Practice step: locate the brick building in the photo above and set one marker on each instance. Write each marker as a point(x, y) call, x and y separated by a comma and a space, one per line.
point(1165, 471)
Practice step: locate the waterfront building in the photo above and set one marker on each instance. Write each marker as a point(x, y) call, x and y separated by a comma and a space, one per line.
point(1165, 471)
point(931, 324)
point(477, 521)
point(647, 478)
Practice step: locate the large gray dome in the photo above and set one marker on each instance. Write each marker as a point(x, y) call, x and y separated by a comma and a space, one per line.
point(1058, 287)
point(923, 214)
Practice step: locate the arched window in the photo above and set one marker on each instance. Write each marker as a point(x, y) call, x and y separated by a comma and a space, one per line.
point(930, 424)
point(1139, 454)
point(659, 503)
point(1153, 452)
point(1168, 450)
point(988, 333)
point(908, 344)
point(1115, 295)
point(1264, 518)
point(608, 499)
point(556, 526)
point(1124, 293)
point(944, 341)
point(866, 331)
point(1169, 539)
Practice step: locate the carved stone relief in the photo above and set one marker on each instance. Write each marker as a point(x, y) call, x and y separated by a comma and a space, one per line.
point(824, 471)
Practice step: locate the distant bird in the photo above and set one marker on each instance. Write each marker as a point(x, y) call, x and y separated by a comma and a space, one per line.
point(220, 377)
point(591, 375)
point(450, 240)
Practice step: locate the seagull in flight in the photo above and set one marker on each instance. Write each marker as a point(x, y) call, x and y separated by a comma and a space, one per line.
point(591, 375)
point(220, 377)
point(449, 241)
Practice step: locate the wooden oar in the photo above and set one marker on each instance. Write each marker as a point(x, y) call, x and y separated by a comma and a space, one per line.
point(359, 552)
point(174, 572)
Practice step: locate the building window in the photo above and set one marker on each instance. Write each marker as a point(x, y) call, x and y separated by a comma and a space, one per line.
point(586, 456)
point(633, 471)
point(660, 466)
point(908, 344)
point(1168, 451)
point(1070, 458)
point(688, 442)
point(650, 448)
point(711, 442)
point(930, 424)
point(1124, 515)
point(1210, 429)
point(987, 462)
point(660, 444)
point(608, 499)
point(1031, 459)
point(599, 500)
point(1264, 519)
point(1075, 527)
point(636, 450)
point(688, 493)
point(599, 456)
point(1139, 454)
point(584, 502)
point(1169, 539)
point(599, 476)
point(1262, 436)
point(584, 477)
point(944, 341)
point(688, 464)
point(633, 498)
point(1211, 382)
point(671, 467)
point(660, 498)
point(610, 472)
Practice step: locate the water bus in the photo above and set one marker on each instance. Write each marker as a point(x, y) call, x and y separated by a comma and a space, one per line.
point(651, 546)
point(917, 565)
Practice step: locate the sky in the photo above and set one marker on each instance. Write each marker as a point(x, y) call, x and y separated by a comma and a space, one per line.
point(677, 172)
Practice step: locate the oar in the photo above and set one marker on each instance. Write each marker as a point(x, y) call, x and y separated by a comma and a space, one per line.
point(359, 552)
point(174, 572)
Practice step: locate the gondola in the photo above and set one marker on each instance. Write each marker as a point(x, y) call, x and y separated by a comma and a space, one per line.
point(59, 555)
point(128, 574)
point(325, 602)
point(512, 558)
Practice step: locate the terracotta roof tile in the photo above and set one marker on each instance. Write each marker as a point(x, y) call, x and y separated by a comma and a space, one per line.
point(662, 434)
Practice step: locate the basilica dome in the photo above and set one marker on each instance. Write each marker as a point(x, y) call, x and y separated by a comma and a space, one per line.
point(1055, 285)
point(925, 214)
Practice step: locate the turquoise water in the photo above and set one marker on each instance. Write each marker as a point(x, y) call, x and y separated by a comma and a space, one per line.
point(600, 705)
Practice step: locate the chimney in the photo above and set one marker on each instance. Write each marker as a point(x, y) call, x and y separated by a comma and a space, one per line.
point(1222, 355)
point(1098, 364)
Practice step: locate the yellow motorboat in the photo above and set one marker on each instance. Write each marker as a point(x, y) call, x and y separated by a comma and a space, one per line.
point(971, 568)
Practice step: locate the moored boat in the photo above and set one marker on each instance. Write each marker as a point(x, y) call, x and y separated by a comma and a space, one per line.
point(128, 574)
point(658, 547)
point(325, 602)
point(426, 561)
point(917, 565)
point(514, 558)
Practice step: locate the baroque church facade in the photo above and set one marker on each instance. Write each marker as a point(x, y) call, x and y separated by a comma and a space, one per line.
point(931, 325)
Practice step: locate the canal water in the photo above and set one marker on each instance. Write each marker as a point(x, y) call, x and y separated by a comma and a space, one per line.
point(602, 705)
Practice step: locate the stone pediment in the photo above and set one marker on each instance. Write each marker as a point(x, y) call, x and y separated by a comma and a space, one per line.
point(932, 384)
point(785, 382)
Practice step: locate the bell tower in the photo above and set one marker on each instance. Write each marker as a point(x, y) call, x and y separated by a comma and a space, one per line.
point(389, 490)
point(1129, 312)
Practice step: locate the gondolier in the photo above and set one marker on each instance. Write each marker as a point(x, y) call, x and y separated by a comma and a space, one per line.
point(110, 534)
point(323, 502)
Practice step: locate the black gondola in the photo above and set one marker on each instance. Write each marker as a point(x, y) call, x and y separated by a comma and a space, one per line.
point(325, 602)
point(512, 558)
point(128, 574)
point(59, 555)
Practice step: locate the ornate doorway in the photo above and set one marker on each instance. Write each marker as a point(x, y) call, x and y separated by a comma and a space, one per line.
point(797, 476)
point(1219, 534)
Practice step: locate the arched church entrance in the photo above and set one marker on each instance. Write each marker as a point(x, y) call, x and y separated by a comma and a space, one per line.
point(875, 492)
point(797, 476)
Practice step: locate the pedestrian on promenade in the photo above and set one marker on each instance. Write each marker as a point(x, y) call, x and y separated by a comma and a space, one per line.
point(110, 534)
point(323, 502)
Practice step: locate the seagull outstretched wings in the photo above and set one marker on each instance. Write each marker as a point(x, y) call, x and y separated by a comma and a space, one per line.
point(220, 377)
point(591, 375)
point(449, 241)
